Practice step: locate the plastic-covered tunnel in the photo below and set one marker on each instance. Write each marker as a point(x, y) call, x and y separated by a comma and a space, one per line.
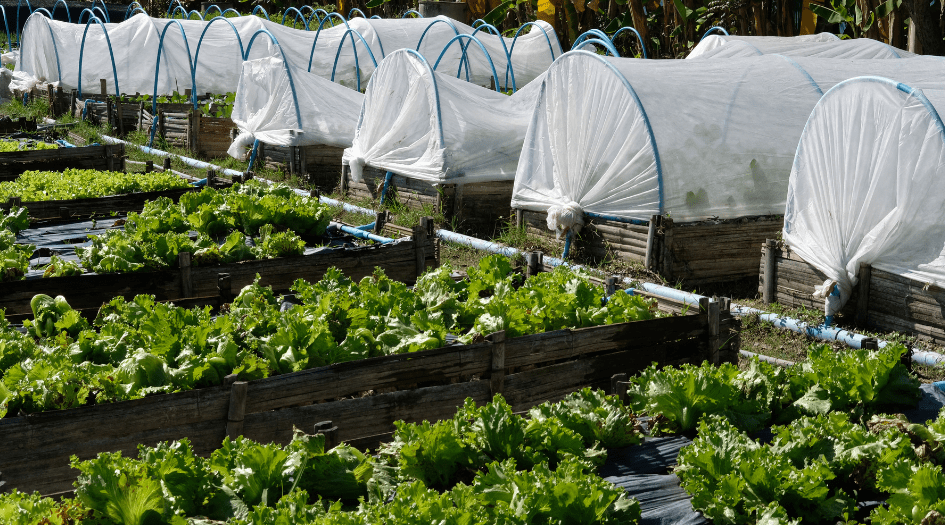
point(823, 45)
point(692, 139)
point(868, 181)
point(433, 127)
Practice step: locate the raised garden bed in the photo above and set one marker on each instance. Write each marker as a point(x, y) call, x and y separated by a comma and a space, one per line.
point(362, 398)
point(14, 163)
point(479, 208)
point(316, 165)
point(183, 126)
point(881, 300)
point(691, 253)
point(65, 209)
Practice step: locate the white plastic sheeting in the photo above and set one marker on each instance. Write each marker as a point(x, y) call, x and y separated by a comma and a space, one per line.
point(823, 45)
point(51, 50)
point(694, 139)
point(868, 183)
point(265, 108)
point(434, 127)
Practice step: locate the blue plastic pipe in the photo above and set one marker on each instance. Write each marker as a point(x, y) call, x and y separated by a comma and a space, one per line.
point(567, 244)
point(366, 227)
point(199, 164)
point(361, 234)
point(387, 179)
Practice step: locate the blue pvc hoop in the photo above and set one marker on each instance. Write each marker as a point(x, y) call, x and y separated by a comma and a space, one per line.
point(19, 32)
point(610, 47)
point(195, 12)
point(636, 98)
point(285, 63)
point(171, 5)
point(474, 26)
point(639, 38)
point(6, 26)
point(197, 52)
point(128, 10)
point(157, 67)
point(357, 65)
point(508, 56)
point(108, 19)
point(110, 53)
point(207, 11)
point(713, 28)
point(376, 17)
point(495, 75)
point(260, 8)
point(230, 9)
point(181, 9)
point(353, 9)
point(547, 39)
point(43, 11)
point(298, 14)
point(436, 93)
point(433, 23)
point(138, 10)
point(411, 12)
point(318, 32)
point(590, 33)
point(68, 14)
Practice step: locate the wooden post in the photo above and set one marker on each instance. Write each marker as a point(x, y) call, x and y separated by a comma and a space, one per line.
point(292, 151)
point(234, 418)
point(497, 375)
point(167, 163)
point(148, 166)
point(610, 285)
point(72, 102)
point(532, 264)
point(140, 115)
point(104, 85)
point(330, 432)
point(186, 284)
point(715, 340)
point(109, 110)
point(121, 117)
point(420, 243)
point(863, 297)
point(187, 93)
point(519, 218)
point(211, 177)
point(109, 158)
point(160, 127)
point(770, 250)
point(651, 246)
point(618, 387)
point(667, 225)
point(380, 218)
point(224, 288)
point(51, 97)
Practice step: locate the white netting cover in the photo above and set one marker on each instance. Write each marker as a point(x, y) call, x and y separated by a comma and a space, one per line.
point(708, 138)
point(435, 127)
point(135, 43)
point(265, 109)
point(823, 45)
point(868, 183)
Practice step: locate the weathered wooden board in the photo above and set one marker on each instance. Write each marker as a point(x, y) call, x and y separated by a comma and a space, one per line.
point(482, 209)
point(65, 209)
point(89, 290)
point(14, 163)
point(318, 165)
point(427, 385)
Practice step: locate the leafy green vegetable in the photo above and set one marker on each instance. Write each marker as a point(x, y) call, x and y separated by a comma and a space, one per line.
point(14, 258)
point(72, 183)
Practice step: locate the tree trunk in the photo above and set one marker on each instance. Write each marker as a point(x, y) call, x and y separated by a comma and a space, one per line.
point(925, 20)
point(639, 19)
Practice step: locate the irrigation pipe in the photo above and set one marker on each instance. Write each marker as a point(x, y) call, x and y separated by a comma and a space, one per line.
point(359, 233)
point(159, 168)
point(821, 332)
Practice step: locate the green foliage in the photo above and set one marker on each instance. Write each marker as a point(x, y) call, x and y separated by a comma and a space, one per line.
point(153, 238)
point(14, 258)
point(73, 183)
point(7, 146)
point(861, 381)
